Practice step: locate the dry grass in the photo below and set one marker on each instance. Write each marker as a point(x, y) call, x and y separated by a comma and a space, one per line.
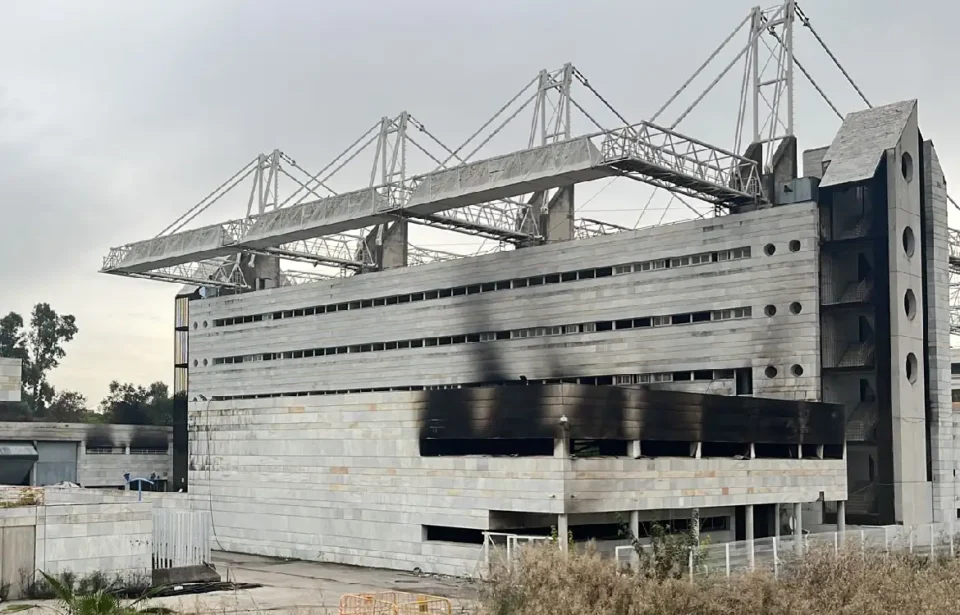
point(547, 583)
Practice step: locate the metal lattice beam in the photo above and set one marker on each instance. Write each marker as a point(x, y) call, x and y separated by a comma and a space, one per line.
point(221, 273)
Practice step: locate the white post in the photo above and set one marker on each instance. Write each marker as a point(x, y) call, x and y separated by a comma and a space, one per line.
point(886, 540)
point(486, 550)
point(748, 523)
point(690, 564)
point(562, 531)
point(836, 543)
point(863, 545)
point(911, 541)
point(635, 523)
point(932, 541)
point(776, 560)
point(727, 557)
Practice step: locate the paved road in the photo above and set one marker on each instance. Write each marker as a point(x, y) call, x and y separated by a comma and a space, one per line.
point(308, 587)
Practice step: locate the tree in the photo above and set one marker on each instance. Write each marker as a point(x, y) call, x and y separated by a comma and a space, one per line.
point(137, 405)
point(68, 407)
point(40, 348)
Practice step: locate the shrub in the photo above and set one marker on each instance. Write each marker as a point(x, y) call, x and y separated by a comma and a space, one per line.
point(546, 582)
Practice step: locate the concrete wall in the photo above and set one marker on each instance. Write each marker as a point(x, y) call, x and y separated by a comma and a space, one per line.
point(77, 530)
point(777, 279)
point(87, 531)
point(937, 270)
point(17, 545)
point(10, 372)
point(104, 452)
point(339, 478)
point(912, 492)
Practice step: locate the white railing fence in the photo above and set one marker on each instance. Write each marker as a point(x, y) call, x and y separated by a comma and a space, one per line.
point(725, 559)
point(181, 538)
point(502, 549)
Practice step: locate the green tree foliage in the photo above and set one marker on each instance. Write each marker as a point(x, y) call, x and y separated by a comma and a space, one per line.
point(40, 347)
point(138, 405)
point(69, 407)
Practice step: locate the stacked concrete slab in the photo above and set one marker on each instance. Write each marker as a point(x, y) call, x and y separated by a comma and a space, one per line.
point(340, 478)
point(776, 280)
point(10, 372)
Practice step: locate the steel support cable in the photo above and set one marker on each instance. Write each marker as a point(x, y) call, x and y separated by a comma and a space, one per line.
point(334, 171)
point(334, 161)
point(293, 163)
point(492, 119)
point(701, 68)
point(586, 83)
point(497, 131)
point(249, 168)
point(806, 22)
point(808, 76)
point(713, 83)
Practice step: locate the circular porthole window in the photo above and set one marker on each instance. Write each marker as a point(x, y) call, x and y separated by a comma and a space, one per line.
point(911, 367)
point(770, 310)
point(910, 304)
point(195, 325)
point(204, 362)
point(204, 324)
point(909, 242)
point(769, 249)
point(906, 166)
point(795, 307)
point(794, 245)
point(195, 363)
point(770, 372)
point(796, 370)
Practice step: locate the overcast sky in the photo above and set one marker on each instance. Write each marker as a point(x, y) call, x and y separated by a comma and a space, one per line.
point(115, 117)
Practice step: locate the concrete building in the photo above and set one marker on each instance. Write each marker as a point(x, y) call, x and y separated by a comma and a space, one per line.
point(780, 364)
point(370, 420)
point(90, 455)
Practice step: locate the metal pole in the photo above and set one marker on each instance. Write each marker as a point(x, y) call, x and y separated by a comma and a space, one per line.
point(690, 564)
point(755, 55)
point(836, 543)
point(790, 17)
point(727, 557)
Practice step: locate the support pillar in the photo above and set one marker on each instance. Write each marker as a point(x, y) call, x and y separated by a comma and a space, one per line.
point(842, 516)
point(798, 526)
point(635, 449)
point(776, 520)
point(748, 530)
point(563, 533)
point(635, 523)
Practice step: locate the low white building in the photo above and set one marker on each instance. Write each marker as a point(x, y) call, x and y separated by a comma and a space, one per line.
point(90, 455)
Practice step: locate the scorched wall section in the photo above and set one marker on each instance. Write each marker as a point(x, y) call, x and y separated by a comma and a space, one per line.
point(341, 478)
point(535, 313)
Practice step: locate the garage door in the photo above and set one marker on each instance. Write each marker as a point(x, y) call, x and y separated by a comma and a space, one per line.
point(56, 462)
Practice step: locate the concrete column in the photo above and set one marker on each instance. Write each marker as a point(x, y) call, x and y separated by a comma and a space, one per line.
point(753, 451)
point(748, 525)
point(562, 532)
point(635, 523)
point(696, 449)
point(776, 520)
point(842, 516)
point(634, 449)
point(33, 469)
point(561, 448)
point(798, 526)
